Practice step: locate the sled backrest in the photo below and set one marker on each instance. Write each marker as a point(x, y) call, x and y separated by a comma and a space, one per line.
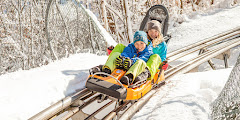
point(159, 13)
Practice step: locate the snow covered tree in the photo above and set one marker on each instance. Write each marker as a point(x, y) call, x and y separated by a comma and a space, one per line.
point(34, 33)
point(22, 39)
point(227, 105)
point(124, 17)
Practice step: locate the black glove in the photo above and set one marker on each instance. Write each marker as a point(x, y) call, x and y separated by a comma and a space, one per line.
point(119, 61)
point(127, 63)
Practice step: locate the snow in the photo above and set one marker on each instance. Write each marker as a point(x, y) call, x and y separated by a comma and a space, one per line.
point(204, 26)
point(24, 93)
point(105, 34)
point(186, 97)
point(31, 91)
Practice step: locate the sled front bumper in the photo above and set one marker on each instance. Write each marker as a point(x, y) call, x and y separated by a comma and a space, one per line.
point(107, 88)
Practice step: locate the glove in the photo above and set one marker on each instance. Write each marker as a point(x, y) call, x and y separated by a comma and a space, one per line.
point(109, 49)
point(164, 65)
point(127, 63)
point(119, 61)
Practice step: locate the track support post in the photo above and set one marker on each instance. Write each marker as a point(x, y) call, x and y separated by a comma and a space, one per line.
point(225, 56)
point(209, 61)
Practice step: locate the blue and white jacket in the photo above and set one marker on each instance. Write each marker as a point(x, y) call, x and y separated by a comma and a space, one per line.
point(131, 52)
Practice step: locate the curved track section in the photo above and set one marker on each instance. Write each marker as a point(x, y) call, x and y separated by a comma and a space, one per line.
point(72, 106)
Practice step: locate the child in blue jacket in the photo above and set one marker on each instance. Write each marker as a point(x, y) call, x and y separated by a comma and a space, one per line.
point(132, 58)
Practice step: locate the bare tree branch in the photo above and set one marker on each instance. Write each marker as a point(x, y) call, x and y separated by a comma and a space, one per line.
point(66, 27)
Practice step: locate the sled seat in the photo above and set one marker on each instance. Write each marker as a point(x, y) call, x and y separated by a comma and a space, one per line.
point(107, 88)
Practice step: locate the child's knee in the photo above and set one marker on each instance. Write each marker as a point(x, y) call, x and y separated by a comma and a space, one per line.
point(140, 61)
point(155, 56)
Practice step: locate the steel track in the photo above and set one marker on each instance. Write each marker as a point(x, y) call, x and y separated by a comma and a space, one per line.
point(75, 103)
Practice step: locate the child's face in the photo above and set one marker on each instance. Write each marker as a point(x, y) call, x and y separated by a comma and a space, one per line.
point(140, 46)
point(153, 33)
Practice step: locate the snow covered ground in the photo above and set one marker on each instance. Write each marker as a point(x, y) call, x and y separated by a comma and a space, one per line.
point(25, 93)
point(186, 97)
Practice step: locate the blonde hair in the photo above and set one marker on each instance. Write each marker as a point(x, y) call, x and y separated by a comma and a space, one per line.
point(157, 40)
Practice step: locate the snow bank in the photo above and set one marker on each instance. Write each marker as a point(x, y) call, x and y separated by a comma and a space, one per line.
point(185, 97)
point(24, 93)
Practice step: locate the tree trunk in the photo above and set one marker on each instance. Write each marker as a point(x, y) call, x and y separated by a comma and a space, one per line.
point(104, 14)
point(128, 21)
point(46, 30)
point(31, 45)
point(212, 2)
point(193, 7)
point(181, 2)
point(91, 39)
point(66, 28)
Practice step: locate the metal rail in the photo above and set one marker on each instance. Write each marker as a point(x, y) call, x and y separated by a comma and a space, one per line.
point(219, 46)
point(202, 42)
point(113, 113)
point(204, 45)
point(106, 105)
point(73, 110)
point(67, 104)
point(189, 65)
point(202, 58)
point(59, 106)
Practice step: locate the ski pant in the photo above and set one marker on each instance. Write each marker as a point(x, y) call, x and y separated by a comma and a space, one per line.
point(153, 64)
point(118, 49)
point(138, 67)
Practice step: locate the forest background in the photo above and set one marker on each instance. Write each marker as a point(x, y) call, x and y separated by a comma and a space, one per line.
point(36, 32)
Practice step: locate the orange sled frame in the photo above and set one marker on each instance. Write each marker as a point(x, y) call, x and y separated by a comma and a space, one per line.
point(110, 85)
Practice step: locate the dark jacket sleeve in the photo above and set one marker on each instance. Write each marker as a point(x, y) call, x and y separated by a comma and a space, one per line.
point(128, 51)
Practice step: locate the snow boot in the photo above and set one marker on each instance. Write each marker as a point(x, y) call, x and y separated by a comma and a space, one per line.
point(106, 69)
point(96, 69)
point(126, 79)
point(143, 76)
